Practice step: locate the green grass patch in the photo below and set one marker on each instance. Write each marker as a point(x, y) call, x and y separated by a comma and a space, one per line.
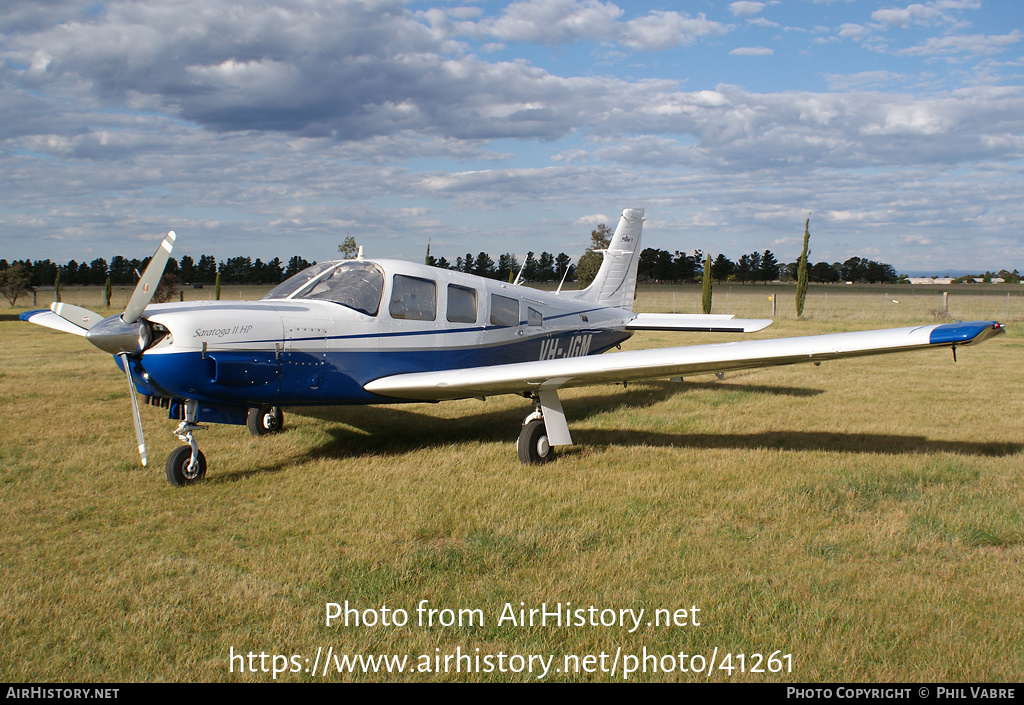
point(864, 516)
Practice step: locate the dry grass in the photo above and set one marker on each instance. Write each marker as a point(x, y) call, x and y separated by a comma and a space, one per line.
point(865, 516)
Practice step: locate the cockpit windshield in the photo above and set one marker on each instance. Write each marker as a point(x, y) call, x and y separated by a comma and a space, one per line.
point(355, 285)
point(295, 282)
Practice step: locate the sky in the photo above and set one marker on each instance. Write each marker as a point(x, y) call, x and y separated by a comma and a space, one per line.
point(271, 129)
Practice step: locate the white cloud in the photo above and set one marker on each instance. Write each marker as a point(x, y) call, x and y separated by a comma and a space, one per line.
point(752, 51)
point(852, 31)
point(273, 127)
point(554, 22)
point(745, 8)
point(929, 13)
point(973, 44)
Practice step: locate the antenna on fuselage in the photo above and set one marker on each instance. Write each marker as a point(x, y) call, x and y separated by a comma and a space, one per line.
point(564, 275)
point(359, 252)
point(520, 275)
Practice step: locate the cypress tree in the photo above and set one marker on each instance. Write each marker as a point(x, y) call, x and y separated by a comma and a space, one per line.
point(106, 292)
point(801, 272)
point(216, 287)
point(705, 298)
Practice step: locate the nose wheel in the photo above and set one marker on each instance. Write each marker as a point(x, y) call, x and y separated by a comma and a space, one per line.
point(181, 470)
point(187, 464)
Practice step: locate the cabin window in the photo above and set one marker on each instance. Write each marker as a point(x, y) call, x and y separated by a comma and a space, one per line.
point(355, 285)
point(534, 317)
point(504, 311)
point(413, 299)
point(461, 304)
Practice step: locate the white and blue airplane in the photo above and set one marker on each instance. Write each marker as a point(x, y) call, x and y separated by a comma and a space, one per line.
point(379, 331)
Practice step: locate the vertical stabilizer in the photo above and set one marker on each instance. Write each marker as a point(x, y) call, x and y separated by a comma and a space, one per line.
point(615, 283)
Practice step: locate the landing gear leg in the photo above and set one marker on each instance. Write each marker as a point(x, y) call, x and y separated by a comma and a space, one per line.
point(187, 464)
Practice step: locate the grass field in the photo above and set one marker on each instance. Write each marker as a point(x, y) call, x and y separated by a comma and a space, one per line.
point(864, 516)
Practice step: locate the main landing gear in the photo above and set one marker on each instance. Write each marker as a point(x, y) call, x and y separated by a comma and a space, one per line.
point(543, 429)
point(187, 464)
point(265, 420)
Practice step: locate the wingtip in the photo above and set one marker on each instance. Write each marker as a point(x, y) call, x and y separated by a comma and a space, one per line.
point(965, 332)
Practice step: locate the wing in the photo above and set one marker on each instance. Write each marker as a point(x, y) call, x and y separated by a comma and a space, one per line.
point(549, 375)
point(697, 322)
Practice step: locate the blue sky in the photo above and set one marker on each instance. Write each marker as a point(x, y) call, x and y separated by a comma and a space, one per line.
point(278, 128)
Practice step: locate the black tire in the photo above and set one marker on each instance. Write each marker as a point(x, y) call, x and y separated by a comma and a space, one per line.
point(533, 443)
point(265, 420)
point(177, 467)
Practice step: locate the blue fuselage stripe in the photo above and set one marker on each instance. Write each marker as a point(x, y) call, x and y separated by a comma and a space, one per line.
point(293, 378)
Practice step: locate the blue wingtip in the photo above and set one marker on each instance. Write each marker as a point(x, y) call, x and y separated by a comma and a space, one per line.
point(964, 332)
point(28, 314)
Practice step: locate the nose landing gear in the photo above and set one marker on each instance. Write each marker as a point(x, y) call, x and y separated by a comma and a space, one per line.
point(187, 464)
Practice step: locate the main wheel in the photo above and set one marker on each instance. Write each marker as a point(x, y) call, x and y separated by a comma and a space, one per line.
point(177, 467)
point(533, 443)
point(264, 420)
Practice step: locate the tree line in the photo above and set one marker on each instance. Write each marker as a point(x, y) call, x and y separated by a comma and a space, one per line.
point(655, 265)
point(125, 272)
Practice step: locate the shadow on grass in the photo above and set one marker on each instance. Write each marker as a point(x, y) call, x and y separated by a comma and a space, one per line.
point(394, 430)
point(874, 443)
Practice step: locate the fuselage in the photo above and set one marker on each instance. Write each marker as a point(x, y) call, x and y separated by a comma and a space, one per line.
point(325, 333)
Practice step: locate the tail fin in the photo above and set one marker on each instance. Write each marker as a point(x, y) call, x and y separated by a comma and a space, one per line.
point(615, 283)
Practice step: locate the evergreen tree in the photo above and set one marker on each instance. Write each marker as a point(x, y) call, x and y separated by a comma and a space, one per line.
point(508, 267)
point(484, 265)
point(801, 271)
point(705, 298)
point(545, 267)
point(530, 268)
point(721, 268)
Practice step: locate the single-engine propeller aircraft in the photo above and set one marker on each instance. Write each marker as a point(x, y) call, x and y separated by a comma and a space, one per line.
point(374, 331)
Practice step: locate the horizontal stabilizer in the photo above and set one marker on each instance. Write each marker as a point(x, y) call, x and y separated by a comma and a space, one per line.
point(697, 322)
point(615, 368)
point(52, 320)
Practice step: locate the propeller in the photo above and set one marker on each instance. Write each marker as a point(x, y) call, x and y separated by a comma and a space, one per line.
point(127, 334)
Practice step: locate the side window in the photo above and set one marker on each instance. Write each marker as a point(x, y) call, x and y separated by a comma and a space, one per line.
point(413, 299)
point(504, 311)
point(534, 317)
point(461, 304)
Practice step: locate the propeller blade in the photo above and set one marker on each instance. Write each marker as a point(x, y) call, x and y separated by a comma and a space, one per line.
point(146, 287)
point(52, 320)
point(76, 315)
point(135, 409)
